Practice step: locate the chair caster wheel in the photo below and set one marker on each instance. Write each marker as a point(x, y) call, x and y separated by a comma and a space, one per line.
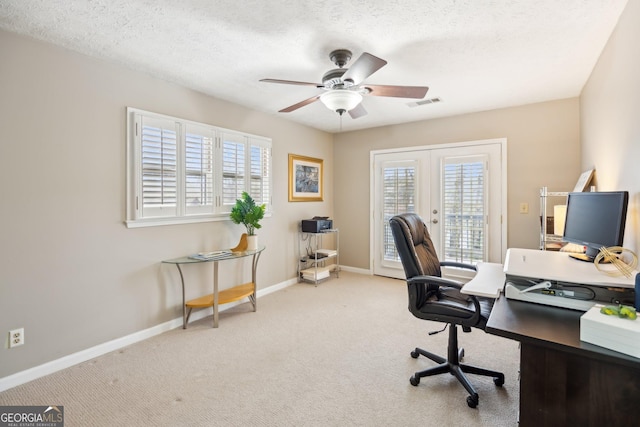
point(414, 380)
point(499, 381)
point(415, 354)
point(472, 401)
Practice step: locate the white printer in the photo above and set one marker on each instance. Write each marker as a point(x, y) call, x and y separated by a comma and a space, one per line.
point(553, 278)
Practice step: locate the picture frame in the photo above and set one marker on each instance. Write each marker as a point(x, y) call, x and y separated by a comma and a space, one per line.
point(584, 181)
point(306, 178)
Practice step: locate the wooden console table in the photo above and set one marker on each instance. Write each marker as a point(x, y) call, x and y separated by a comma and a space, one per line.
point(225, 296)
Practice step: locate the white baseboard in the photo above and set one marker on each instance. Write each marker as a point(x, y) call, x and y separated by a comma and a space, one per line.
point(118, 343)
point(364, 271)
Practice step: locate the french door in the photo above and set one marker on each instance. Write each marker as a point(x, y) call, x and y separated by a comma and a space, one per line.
point(458, 189)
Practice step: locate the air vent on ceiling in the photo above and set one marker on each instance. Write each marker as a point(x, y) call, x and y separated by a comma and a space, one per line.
point(424, 102)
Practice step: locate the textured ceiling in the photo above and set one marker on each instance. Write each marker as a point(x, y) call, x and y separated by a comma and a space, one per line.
point(473, 54)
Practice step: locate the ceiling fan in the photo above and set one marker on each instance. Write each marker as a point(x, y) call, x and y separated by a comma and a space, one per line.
point(344, 87)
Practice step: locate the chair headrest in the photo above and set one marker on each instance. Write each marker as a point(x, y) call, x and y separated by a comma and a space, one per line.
point(415, 248)
point(416, 226)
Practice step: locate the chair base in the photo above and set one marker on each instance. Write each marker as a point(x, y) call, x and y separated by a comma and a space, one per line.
point(453, 366)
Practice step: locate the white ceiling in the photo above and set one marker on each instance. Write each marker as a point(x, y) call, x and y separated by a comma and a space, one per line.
point(473, 54)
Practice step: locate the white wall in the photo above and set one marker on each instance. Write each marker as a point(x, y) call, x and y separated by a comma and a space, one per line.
point(71, 273)
point(610, 109)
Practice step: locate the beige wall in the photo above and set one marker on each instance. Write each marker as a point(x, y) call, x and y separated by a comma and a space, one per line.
point(75, 277)
point(610, 109)
point(542, 148)
point(71, 273)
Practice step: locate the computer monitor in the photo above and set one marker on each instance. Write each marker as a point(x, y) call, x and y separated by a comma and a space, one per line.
point(596, 219)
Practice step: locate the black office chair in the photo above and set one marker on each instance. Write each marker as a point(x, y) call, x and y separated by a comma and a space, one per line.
point(432, 297)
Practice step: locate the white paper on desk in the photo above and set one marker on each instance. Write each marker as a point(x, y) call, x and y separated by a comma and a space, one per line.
point(205, 256)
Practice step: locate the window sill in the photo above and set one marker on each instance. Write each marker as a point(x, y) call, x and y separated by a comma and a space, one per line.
point(153, 222)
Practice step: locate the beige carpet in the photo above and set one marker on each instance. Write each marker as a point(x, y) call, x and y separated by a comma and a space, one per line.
point(336, 354)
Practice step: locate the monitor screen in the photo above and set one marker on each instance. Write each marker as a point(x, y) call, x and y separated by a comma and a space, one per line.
point(596, 219)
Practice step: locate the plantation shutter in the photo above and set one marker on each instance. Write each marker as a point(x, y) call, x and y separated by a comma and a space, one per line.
point(158, 157)
point(260, 167)
point(233, 169)
point(199, 170)
point(179, 171)
point(399, 188)
point(464, 208)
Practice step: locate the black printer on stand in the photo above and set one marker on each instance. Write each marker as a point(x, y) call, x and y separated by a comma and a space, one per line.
point(317, 224)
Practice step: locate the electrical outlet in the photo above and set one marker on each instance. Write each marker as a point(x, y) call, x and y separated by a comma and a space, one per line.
point(16, 337)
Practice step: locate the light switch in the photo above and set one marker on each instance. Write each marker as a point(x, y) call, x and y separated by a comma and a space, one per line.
point(524, 208)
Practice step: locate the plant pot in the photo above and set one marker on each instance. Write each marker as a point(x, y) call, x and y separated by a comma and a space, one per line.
point(252, 242)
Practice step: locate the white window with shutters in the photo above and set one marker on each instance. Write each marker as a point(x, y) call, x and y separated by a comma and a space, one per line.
point(180, 171)
point(199, 170)
point(158, 167)
point(259, 169)
point(246, 166)
point(234, 165)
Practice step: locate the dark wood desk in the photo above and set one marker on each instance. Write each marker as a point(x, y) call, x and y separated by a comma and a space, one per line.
point(564, 381)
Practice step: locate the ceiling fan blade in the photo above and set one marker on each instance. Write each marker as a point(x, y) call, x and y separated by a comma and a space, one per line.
point(291, 82)
point(398, 91)
point(300, 104)
point(357, 111)
point(364, 66)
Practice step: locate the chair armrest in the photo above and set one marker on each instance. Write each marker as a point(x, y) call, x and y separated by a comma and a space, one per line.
point(458, 265)
point(440, 281)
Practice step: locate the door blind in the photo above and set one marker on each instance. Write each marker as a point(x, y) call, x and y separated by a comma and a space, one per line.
point(464, 210)
point(398, 189)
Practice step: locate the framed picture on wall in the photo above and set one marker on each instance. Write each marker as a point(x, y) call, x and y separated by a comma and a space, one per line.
point(305, 179)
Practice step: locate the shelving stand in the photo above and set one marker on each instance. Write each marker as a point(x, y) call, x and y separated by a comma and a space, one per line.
point(316, 263)
point(546, 238)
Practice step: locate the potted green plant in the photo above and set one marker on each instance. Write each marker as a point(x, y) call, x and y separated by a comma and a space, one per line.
point(248, 213)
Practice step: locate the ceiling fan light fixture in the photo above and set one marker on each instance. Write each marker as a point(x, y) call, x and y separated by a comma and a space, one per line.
point(340, 101)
